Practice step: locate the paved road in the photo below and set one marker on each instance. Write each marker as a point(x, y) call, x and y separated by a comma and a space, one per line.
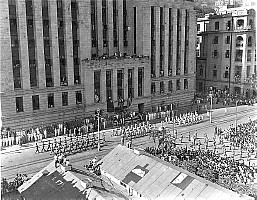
point(17, 159)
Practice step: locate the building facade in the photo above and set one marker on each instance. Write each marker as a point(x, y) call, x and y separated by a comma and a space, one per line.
point(63, 59)
point(227, 58)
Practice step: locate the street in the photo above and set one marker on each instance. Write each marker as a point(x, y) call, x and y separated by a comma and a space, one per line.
point(23, 160)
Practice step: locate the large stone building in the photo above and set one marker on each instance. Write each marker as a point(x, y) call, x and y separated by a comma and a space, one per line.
point(227, 59)
point(63, 59)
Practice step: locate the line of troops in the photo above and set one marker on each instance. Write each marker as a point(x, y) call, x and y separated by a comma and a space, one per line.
point(69, 145)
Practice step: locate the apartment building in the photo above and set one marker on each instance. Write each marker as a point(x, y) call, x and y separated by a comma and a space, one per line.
point(63, 59)
point(227, 58)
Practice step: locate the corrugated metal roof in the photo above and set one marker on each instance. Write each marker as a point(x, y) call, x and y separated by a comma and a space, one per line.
point(154, 178)
point(52, 183)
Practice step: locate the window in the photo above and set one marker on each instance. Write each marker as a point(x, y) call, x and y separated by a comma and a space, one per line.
point(200, 87)
point(217, 26)
point(215, 54)
point(240, 23)
point(248, 70)
point(170, 86)
point(239, 41)
point(120, 79)
point(29, 8)
point(249, 41)
point(214, 73)
point(185, 84)
point(130, 83)
point(227, 54)
point(64, 98)
point(19, 104)
point(249, 55)
point(215, 40)
point(228, 25)
point(35, 102)
point(161, 87)
point(50, 100)
point(239, 55)
point(227, 40)
point(78, 97)
point(140, 81)
point(178, 84)
point(226, 74)
point(109, 84)
point(152, 88)
point(198, 27)
point(201, 70)
point(97, 87)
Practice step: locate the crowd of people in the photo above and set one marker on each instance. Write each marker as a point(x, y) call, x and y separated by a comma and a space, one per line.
point(243, 136)
point(10, 186)
point(224, 97)
point(209, 158)
point(225, 171)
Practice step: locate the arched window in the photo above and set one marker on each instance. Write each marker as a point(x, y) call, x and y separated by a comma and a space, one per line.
point(249, 41)
point(239, 41)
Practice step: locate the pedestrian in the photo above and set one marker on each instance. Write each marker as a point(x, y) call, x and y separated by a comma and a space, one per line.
point(103, 136)
point(49, 146)
point(43, 146)
point(37, 148)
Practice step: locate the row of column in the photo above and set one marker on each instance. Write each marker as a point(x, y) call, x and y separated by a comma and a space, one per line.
point(89, 85)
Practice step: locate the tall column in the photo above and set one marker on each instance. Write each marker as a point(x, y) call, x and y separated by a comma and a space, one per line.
point(84, 29)
point(145, 21)
point(99, 27)
point(110, 26)
point(89, 85)
point(55, 44)
point(157, 40)
point(166, 41)
point(174, 41)
point(68, 42)
point(39, 44)
point(120, 25)
point(24, 56)
point(6, 51)
point(182, 41)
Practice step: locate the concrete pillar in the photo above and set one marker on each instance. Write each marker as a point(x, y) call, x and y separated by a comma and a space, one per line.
point(24, 55)
point(55, 44)
point(68, 42)
point(39, 44)
point(174, 45)
point(110, 26)
point(99, 27)
point(157, 40)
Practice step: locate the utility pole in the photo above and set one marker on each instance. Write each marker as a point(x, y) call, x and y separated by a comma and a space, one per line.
point(98, 115)
point(236, 118)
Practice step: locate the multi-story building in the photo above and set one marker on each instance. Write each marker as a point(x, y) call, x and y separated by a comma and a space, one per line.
point(228, 52)
point(63, 59)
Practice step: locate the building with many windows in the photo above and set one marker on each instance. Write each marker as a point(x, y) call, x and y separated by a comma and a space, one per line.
point(63, 59)
point(227, 58)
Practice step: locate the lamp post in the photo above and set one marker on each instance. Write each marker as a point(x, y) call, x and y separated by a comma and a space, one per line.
point(98, 118)
point(236, 118)
point(211, 109)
